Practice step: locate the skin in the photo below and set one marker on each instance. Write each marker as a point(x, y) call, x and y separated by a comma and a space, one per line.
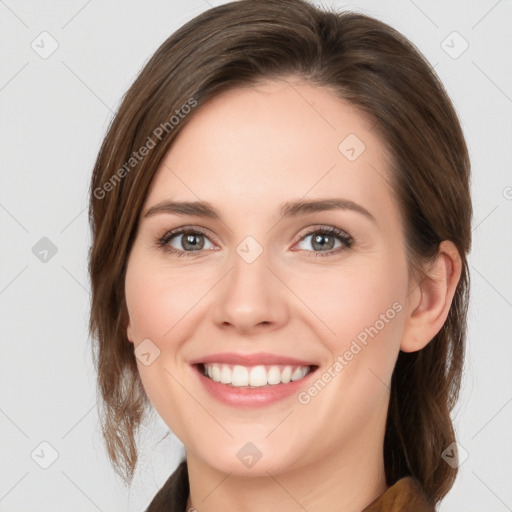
point(246, 152)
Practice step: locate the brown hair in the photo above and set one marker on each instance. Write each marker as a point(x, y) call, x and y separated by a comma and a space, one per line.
point(377, 70)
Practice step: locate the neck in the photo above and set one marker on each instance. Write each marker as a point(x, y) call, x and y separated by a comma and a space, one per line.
point(347, 480)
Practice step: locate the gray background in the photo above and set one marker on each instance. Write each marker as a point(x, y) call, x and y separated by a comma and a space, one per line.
point(55, 112)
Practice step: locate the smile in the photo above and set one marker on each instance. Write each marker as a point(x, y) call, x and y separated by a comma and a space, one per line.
point(253, 376)
point(252, 380)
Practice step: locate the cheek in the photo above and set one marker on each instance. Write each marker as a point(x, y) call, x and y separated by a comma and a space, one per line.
point(361, 311)
point(157, 299)
point(356, 301)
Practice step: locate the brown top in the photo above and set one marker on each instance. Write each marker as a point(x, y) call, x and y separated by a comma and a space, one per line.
point(406, 495)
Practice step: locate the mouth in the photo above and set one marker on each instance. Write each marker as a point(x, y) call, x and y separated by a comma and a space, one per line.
point(252, 380)
point(252, 377)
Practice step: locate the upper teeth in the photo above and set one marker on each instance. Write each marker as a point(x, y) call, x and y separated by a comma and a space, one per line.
point(239, 376)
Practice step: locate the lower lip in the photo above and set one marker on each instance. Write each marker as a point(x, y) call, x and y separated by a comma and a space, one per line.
point(251, 397)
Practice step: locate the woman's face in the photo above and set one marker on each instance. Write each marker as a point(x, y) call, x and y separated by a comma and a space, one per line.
point(262, 291)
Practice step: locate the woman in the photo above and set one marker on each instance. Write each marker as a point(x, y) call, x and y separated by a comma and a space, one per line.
point(281, 218)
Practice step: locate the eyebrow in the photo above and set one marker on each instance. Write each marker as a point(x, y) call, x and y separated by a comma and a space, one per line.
point(288, 209)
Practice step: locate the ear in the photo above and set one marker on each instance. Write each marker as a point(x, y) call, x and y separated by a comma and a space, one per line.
point(129, 329)
point(430, 300)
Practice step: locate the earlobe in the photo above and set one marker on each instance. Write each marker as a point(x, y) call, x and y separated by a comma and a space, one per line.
point(127, 321)
point(431, 300)
point(129, 331)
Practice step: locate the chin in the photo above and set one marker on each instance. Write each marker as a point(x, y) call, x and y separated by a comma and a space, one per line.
point(252, 458)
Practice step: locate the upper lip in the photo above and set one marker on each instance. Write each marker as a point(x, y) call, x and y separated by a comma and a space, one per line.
point(259, 358)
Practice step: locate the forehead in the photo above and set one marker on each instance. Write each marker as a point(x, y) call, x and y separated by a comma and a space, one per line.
point(279, 140)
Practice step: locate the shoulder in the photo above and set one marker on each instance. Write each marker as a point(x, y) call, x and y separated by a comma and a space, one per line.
point(403, 496)
point(173, 495)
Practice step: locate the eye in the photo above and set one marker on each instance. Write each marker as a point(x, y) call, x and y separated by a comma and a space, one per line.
point(326, 241)
point(185, 240)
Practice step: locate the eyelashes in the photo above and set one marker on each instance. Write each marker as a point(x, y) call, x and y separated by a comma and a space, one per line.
point(163, 242)
point(189, 234)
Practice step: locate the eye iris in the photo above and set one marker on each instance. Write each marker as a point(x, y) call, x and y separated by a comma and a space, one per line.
point(320, 238)
point(188, 241)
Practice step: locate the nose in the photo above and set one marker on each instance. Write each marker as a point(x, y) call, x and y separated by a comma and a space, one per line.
point(251, 298)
